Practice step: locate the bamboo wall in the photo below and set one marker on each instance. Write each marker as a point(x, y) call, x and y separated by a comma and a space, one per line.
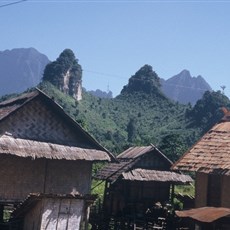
point(21, 176)
point(148, 191)
point(67, 176)
point(135, 195)
point(153, 161)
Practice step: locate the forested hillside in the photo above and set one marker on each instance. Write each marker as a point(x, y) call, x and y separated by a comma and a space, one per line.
point(139, 117)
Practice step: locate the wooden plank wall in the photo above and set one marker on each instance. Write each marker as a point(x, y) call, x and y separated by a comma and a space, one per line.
point(55, 213)
point(201, 185)
point(225, 201)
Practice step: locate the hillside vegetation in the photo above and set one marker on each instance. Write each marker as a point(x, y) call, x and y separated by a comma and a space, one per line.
point(142, 115)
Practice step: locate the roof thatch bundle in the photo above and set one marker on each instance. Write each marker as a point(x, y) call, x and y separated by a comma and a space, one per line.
point(36, 149)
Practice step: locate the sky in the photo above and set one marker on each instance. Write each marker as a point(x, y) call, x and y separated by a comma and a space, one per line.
point(113, 39)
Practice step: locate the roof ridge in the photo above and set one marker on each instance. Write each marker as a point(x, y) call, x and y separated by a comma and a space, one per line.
point(20, 98)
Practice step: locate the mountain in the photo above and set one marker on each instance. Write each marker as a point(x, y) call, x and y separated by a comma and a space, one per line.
point(23, 68)
point(66, 74)
point(184, 88)
point(141, 115)
point(101, 94)
point(20, 69)
point(144, 80)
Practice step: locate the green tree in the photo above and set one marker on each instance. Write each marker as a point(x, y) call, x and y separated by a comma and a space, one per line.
point(172, 146)
point(145, 80)
point(66, 60)
point(207, 110)
point(132, 130)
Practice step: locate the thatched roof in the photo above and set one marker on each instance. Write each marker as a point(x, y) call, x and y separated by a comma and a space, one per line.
point(211, 154)
point(9, 106)
point(139, 151)
point(156, 175)
point(126, 160)
point(35, 149)
point(126, 169)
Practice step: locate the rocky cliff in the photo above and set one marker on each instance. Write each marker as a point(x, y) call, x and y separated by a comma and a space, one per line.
point(66, 74)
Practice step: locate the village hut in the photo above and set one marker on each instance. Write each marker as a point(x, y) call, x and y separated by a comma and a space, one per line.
point(140, 180)
point(44, 151)
point(209, 158)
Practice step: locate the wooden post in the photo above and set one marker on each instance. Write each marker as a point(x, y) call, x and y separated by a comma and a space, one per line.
point(104, 197)
point(1, 212)
point(87, 215)
point(172, 193)
point(45, 175)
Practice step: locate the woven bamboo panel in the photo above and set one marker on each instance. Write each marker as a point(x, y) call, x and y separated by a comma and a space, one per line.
point(42, 129)
point(37, 122)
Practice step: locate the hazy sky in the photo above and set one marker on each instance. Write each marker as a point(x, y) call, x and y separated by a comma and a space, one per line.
point(113, 39)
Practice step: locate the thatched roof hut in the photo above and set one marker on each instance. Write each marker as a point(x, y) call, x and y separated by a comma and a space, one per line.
point(43, 150)
point(141, 178)
point(36, 134)
point(145, 163)
point(35, 116)
point(209, 158)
